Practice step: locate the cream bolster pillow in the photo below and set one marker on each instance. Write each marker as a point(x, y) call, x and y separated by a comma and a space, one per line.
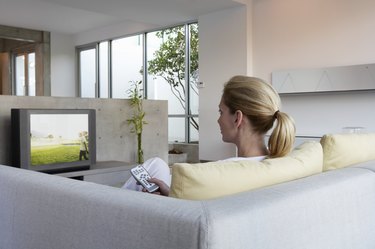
point(342, 150)
point(216, 179)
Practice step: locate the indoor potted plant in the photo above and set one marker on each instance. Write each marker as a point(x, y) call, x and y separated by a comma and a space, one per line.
point(137, 120)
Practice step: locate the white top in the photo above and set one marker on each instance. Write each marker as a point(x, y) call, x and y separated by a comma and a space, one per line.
point(254, 158)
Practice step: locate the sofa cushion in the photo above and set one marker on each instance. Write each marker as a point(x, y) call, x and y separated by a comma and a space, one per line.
point(215, 179)
point(342, 150)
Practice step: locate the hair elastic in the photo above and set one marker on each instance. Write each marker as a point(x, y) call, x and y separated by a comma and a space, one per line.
point(276, 114)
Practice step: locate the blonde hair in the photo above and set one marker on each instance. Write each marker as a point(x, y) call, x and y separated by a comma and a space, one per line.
point(260, 103)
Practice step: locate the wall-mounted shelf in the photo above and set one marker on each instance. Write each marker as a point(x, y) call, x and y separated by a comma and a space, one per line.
point(329, 79)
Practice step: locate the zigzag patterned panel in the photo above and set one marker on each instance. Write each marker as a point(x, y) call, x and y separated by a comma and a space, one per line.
point(344, 78)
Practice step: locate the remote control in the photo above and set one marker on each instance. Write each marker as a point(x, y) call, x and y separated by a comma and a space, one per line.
point(141, 175)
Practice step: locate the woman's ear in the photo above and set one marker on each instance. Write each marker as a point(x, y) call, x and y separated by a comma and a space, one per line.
point(238, 118)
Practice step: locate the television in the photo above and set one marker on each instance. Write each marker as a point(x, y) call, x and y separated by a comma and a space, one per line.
point(53, 140)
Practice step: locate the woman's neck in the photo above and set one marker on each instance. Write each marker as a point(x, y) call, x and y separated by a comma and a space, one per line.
point(252, 146)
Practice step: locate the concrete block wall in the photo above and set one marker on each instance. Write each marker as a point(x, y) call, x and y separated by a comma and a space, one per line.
point(113, 137)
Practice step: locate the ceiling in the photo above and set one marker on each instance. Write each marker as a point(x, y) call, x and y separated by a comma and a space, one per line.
point(76, 16)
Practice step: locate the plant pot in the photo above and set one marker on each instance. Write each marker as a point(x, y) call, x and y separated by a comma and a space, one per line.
point(177, 158)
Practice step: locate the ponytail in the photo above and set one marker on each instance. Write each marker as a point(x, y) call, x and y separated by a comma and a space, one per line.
point(282, 137)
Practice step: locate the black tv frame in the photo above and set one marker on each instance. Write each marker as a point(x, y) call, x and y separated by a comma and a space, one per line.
point(21, 142)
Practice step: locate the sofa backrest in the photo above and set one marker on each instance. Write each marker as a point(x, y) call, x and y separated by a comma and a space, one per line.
point(40, 211)
point(331, 210)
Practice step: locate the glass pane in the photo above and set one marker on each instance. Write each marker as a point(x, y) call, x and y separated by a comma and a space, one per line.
point(194, 69)
point(103, 70)
point(166, 67)
point(88, 73)
point(127, 62)
point(194, 129)
point(176, 129)
point(31, 76)
point(20, 76)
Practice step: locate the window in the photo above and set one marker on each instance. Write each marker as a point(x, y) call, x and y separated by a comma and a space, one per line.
point(24, 73)
point(127, 63)
point(87, 72)
point(166, 61)
point(172, 66)
point(193, 73)
point(166, 76)
point(104, 70)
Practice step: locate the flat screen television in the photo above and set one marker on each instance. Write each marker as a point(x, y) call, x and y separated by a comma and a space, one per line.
point(53, 140)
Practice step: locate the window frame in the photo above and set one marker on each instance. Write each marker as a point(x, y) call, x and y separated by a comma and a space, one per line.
point(80, 49)
point(23, 51)
point(187, 115)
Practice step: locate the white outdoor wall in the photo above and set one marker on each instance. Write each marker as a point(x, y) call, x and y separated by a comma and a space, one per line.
point(222, 54)
point(294, 34)
point(63, 82)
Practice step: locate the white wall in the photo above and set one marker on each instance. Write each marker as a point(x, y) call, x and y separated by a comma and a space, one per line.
point(63, 66)
point(288, 34)
point(305, 33)
point(222, 54)
point(293, 34)
point(110, 32)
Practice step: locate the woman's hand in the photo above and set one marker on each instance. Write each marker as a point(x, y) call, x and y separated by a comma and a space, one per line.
point(163, 187)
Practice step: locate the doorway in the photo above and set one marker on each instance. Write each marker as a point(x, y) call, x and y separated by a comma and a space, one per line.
point(24, 62)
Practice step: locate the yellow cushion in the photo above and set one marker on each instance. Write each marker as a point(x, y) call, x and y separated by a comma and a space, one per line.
point(342, 150)
point(216, 179)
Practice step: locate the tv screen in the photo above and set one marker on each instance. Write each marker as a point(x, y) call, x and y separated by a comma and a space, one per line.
point(54, 140)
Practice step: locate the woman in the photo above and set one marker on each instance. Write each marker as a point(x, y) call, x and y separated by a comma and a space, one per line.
point(248, 109)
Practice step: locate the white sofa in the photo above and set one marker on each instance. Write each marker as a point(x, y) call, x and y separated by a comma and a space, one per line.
point(334, 209)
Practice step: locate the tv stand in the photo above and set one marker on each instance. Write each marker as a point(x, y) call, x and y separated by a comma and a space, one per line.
point(113, 173)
